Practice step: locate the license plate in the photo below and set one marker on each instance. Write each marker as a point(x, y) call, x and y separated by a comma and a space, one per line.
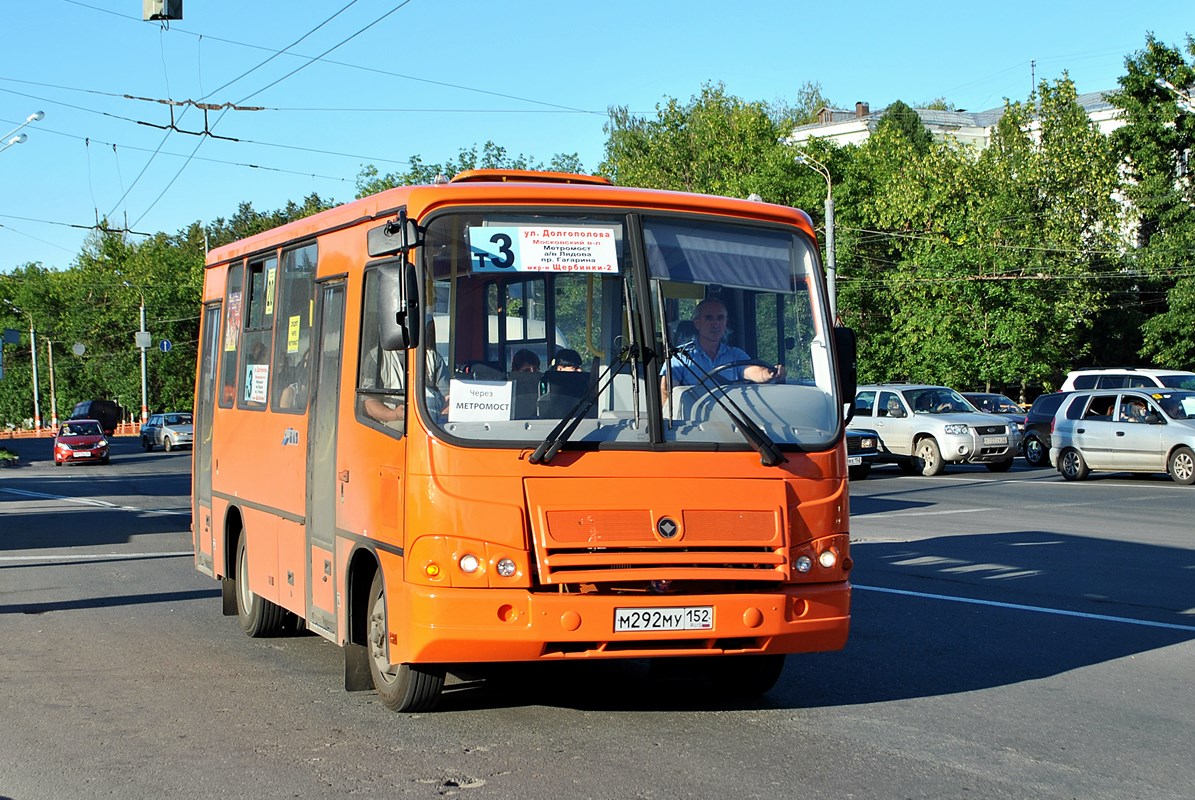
point(82, 454)
point(995, 440)
point(854, 461)
point(689, 618)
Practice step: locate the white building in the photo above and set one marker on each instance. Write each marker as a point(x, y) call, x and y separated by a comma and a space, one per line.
point(845, 127)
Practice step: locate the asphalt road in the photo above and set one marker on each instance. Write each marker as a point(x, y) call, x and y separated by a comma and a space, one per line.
point(1014, 636)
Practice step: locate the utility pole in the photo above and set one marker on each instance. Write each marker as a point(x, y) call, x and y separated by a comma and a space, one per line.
point(53, 399)
point(142, 340)
point(33, 357)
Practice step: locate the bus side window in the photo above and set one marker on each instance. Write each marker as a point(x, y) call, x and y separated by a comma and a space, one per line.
point(381, 374)
point(254, 377)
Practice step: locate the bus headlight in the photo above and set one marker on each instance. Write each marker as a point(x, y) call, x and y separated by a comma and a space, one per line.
point(469, 563)
point(803, 563)
point(827, 558)
point(506, 567)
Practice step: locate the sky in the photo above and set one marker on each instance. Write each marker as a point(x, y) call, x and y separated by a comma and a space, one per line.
point(322, 89)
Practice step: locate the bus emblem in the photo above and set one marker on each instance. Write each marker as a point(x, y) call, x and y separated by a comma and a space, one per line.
point(290, 436)
point(667, 527)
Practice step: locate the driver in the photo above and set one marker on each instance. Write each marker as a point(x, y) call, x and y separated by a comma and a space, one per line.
point(709, 352)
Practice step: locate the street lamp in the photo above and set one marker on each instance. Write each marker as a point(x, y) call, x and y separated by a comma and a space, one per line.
point(10, 139)
point(831, 275)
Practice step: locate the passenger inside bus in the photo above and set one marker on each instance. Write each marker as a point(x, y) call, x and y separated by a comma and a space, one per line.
point(708, 352)
point(524, 361)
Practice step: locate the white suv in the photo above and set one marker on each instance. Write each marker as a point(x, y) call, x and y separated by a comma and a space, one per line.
point(923, 427)
point(1128, 378)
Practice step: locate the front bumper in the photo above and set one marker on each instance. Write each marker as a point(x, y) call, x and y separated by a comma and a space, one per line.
point(467, 625)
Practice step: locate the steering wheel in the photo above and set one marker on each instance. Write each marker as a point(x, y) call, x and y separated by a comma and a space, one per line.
point(748, 362)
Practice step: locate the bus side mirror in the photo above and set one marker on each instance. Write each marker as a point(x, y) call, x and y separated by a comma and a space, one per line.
point(396, 236)
point(398, 306)
point(845, 365)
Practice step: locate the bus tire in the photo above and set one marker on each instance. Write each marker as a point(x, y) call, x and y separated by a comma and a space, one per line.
point(400, 687)
point(258, 616)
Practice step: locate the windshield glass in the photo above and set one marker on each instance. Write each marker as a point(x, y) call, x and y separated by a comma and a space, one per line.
point(536, 313)
point(1176, 405)
point(178, 419)
point(994, 404)
point(738, 309)
point(936, 400)
point(82, 429)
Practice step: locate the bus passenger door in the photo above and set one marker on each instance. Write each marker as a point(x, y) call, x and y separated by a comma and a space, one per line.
point(201, 451)
point(322, 482)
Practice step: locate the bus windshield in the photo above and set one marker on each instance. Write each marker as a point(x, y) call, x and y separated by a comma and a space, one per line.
point(662, 328)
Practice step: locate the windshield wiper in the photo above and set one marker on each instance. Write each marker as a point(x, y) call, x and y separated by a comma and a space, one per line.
point(564, 429)
point(769, 451)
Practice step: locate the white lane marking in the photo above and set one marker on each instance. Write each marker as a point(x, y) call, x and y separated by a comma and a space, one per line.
point(1038, 609)
point(95, 556)
point(87, 501)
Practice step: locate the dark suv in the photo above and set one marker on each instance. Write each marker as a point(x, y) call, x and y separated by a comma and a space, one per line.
point(1038, 422)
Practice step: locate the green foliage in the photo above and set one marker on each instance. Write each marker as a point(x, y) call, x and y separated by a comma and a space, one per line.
point(492, 156)
point(1156, 146)
point(716, 144)
point(900, 118)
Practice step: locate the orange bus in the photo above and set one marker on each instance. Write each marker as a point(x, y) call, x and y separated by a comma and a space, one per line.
point(528, 417)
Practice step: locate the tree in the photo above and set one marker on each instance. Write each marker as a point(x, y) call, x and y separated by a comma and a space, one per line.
point(902, 119)
point(1155, 144)
point(715, 144)
point(492, 156)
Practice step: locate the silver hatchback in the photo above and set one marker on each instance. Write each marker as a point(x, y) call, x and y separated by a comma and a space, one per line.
point(170, 430)
point(1126, 430)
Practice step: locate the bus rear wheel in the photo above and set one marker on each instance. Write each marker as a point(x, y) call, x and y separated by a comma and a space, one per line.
point(258, 616)
point(401, 687)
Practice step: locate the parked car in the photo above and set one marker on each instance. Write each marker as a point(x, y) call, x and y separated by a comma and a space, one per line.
point(862, 449)
point(1039, 420)
point(923, 427)
point(1128, 378)
point(80, 440)
point(106, 412)
point(170, 430)
point(1000, 405)
point(1130, 430)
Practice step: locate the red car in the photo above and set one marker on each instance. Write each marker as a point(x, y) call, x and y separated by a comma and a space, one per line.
point(80, 440)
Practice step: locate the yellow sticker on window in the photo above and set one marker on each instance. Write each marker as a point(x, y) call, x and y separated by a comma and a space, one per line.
point(294, 324)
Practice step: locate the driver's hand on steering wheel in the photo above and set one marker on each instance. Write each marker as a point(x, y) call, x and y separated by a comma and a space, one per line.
point(777, 373)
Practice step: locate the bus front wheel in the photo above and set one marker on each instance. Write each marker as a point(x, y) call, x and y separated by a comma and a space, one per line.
point(401, 687)
point(258, 616)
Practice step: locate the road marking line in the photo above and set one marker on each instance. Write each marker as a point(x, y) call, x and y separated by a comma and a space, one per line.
point(86, 501)
point(1038, 609)
point(95, 556)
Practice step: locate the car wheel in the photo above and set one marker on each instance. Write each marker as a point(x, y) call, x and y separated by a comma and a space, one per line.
point(401, 687)
point(167, 444)
point(258, 616)
point(147, 444)
point(929, 457)
point(1072, 466)
point(106, 460)
point(1035, 452)
point(859, 472)
point(1181, 466)
point(57, 463)
point(999, 466)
